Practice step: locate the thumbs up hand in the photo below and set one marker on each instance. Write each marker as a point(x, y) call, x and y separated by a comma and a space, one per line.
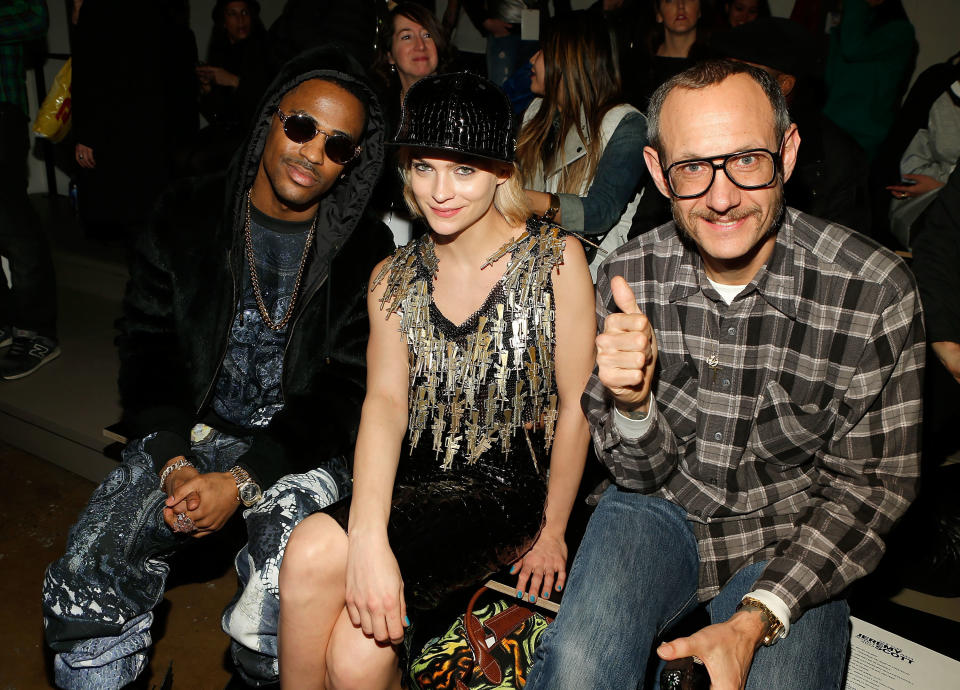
point(627, 351)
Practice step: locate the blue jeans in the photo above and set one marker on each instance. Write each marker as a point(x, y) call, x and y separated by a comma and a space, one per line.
point(98, 599)
point(634, 577)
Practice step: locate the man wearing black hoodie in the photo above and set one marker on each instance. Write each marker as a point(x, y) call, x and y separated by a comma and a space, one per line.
point(242, 372)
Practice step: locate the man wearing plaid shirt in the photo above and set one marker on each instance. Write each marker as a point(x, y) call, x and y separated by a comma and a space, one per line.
point(757, 402)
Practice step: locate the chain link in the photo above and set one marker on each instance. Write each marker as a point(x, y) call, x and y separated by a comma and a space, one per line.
point(255, 281)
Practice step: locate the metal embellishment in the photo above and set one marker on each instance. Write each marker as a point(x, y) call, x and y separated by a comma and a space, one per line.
point(474, 387)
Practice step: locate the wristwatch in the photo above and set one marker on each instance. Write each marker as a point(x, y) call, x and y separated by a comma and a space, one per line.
point(774, 626)
point(553, 210)
point(248, 491)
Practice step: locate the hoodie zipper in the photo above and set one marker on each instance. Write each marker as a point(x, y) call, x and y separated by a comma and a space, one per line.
point(307, 300)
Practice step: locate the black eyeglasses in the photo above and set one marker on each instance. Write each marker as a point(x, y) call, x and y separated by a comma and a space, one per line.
point(753, 169)
point(300, 129)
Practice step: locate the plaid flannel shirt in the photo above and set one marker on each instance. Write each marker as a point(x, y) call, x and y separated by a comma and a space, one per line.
point(801, 443)
point(20, 21)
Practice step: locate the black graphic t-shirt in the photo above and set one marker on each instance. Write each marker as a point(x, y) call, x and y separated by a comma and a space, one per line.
point(247, 391)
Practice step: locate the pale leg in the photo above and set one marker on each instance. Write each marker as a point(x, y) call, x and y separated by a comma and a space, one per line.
point(319, 647)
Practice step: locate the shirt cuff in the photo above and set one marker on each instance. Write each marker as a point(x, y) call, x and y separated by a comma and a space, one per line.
point(776, 606)
point(571, 212)
point(631, 428)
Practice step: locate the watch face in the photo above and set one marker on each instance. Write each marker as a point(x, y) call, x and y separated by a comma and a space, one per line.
point(250, 493)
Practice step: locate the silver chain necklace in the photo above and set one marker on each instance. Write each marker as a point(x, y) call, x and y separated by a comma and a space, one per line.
point(248, 241)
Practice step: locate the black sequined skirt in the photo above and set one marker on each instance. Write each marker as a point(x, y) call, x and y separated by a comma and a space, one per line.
point(452, 529)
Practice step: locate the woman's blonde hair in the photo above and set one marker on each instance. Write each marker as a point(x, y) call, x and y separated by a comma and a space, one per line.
point(581, 77)
point(509, 199)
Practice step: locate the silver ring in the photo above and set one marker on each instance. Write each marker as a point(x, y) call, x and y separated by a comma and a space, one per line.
point(184, 523)
point(80, 156)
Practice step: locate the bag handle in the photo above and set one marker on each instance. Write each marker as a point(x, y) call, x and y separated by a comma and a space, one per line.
point(499, 626)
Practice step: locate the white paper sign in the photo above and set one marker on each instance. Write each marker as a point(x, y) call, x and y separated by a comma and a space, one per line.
point(880, 660)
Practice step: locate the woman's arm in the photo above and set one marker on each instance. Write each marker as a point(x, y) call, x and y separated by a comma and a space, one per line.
point(374, 585)
point(615, 183)
point(545, 564)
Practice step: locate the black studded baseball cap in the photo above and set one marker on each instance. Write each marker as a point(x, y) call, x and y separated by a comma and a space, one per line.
point(459, 112)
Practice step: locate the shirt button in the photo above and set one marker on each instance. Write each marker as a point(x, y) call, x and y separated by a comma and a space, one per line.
point(731, 331)
point(725, 382)
point(718, 436)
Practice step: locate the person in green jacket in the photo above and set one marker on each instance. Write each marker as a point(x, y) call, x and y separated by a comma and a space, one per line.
point(868, 66)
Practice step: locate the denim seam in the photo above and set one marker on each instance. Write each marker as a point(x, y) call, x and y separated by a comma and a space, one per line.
point(670, 621)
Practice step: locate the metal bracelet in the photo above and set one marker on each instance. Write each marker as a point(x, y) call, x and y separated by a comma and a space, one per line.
point(178, 465)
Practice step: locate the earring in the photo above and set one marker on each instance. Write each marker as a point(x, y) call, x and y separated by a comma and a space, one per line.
point(393, 68)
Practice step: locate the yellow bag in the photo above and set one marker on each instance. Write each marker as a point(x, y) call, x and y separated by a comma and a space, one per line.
point(53, 117)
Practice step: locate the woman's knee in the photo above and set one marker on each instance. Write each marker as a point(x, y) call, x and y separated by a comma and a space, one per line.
point(316, 551)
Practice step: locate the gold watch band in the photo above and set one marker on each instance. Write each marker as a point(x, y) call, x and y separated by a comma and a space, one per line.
point(774, 624)
point(240, 476)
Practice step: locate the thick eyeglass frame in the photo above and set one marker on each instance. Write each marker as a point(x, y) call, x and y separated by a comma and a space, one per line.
point(722, 165)
point(329, 138)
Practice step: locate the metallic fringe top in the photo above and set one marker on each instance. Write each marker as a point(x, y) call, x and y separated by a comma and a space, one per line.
point(473, 386)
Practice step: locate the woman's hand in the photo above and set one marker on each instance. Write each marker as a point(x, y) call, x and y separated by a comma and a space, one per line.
point(375, 589)
point(543, 567)
point(208, 74)
point(922, 185)
point(84, 156)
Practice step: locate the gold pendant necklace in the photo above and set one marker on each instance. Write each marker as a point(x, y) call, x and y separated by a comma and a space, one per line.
point(255, 281)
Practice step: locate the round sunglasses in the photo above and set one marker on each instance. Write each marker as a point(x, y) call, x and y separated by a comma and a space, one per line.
point(301, 128)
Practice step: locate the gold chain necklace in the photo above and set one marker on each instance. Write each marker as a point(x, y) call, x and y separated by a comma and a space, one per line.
point(248, 241)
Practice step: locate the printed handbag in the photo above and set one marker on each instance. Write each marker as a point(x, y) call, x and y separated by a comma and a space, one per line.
point(488, 648)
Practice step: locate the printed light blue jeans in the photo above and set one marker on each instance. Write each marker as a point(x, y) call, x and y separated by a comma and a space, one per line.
point(98, 599)
point(634, 577)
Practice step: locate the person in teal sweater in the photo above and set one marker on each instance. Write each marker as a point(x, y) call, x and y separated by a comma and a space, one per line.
point(871, 54)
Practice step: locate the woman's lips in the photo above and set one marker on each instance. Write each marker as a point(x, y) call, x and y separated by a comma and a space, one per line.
point(445, 212)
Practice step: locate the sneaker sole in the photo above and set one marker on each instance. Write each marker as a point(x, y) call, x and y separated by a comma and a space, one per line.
point(46, 360)
point(6, 341)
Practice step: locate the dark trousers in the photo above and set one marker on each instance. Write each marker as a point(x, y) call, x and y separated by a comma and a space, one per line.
point(31, 303)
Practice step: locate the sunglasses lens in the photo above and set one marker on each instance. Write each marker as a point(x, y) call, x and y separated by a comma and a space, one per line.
point(340, 149)
point(300, 128)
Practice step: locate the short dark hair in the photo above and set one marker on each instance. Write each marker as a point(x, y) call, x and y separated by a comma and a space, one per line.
point(711, 73)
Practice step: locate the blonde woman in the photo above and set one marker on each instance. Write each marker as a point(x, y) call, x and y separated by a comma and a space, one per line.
point(478, 354)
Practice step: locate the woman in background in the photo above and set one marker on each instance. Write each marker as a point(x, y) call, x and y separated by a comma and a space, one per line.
point(478, 355)
point(411, 45)
point(580, 148)
point(232, 81)
point(737, 12)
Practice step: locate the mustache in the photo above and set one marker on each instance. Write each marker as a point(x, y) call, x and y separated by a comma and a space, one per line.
point(730, 217)
point(301, 163)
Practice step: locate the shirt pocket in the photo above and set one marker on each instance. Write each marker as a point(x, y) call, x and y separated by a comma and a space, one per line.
point(786, 432)
point(676, 396)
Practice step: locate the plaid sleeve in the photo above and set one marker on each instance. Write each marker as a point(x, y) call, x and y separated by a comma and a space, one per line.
point(868, 473)
point(641, 464)
point(22, 20)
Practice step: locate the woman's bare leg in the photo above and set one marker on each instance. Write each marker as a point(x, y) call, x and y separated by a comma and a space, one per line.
point(312, 597)
point(358, 662)
point(319, 646)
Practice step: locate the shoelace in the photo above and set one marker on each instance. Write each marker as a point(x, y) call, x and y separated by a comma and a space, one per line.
point(19, 346)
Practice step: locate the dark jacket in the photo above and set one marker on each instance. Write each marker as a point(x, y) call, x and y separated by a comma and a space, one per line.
point(186, 282)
